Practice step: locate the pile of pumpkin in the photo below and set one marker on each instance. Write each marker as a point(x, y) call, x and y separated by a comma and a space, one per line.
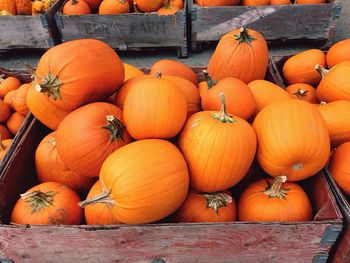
point(152, 150)
point(107, 7)
point(25, 7)
point(256, 2)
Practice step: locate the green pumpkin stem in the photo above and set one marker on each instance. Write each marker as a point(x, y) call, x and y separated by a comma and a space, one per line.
point(217, 200)
point(274, 189)
point(321, 70)
point(300, 93)
point(115, 127)
point(209, 80)
point(244, 37)
point(38, 200)
point(104, 197)
point(222, 115)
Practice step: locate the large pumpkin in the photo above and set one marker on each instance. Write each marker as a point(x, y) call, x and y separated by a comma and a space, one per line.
point(88, 135)
point(154, 108)
point(241, 53)
point(145, 181)
point(293, 139)
point(340, 166)
point(217, 2)
point(149, 6)
point(274, 200)
point(339, 52)
point(48, 204)
point(218, 148)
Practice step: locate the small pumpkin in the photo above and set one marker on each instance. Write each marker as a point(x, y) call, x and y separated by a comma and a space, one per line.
point(4, 146)
point(217, 2)
point(24, 7)
point(8, 84)
point(340, 167)
point(149, 6)
point(8, 99)
point(255, 2)
point(168, 9)
point(19, 99)
point(4, 132)
point(114, 7)
point(48, 204)
point(76, 7)
point(302, 91)
point(5, 111)
point(14, 122)
point(339, 52)
point(274, 200)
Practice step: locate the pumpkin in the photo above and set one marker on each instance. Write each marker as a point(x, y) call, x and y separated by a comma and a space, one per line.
point(131, 71)
point(335, 83)
point(99, 213)
point(4, 146)
point(76, 7)
point(4, 132)
point(8, 99)
point(293, 139)
point(280, 2)
point(99, 127)
point(37, 7)
point(93, 4)
point(8, 84)
point(168, 9)
point(24, 7)
point(239, 99)
point(174, 68)
point(255, 2)
point(222, 137)
point(300, 2)
point(49, 3)
point(142, 191)
point(274, 200)
point(339, 52)
point(114, 7)
point(217, 2)
point(19, 99)
point(340, 166)
point(14, 122)
point(302, 91)
point(149, 6)
point(88, 70)
point(50, 168)
point(207, 207)
point(154, 108)
point(300, 68)
point(266, 92)
point(48, 203)
point(5, 111)
point(337, 118)
point(9, 6)
point(241, 53)
point(178, 3)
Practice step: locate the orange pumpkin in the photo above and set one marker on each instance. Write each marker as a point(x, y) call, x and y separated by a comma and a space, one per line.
point(206, 207)
point(76, 7)
point(300, 2)
point(131, 72)
point(5, 111)
point(178, 3)
point(4, 132)
point(255, 2)
point(114, 7)
point(154, 108)
point(280, 2)
point(8, 84)
point(50, 168)
point(142, 191)
point(239, 99)
point(19, 99)
point(149, 6)
point(93, 4)
point(168, 9)
point(340, 166)
point(14, 122)
point(8, 99)
point(241, 53)
point(300, 68)
point(174, 68)
point(217, 2)
point(24, 7)
point(339, 52)
point(99, 127)
point(223, 137)
point(49, 204)
point(9, 6)
point(274, 200)
point(302, 91)
point(335, 83)
point(4, 146)
point(293, 139)
point(337, 118)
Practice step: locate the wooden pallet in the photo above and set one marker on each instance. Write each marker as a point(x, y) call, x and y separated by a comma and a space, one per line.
point(278, 23)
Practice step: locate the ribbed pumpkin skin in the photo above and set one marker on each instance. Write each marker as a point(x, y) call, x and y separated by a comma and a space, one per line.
point(340, 167)
point(255, 2)
point(146, 191)
point(300, 68)
point(310, 95)
point(84, 127)
point(195, 210)
point(254, 205)
point(239, 99)
point(114, 7)
point(215, 169)
point(217, 2)
point(63, 211)
point(154, 108)
point(131, 71)
point(336, 84)
point(24, 7)
point(336, 114)
point(339, 52)
point(265, 93)
point(293, 139)
point(245, 61)
point(8, 5)
point(149, 6)
point(98, 213)
point(50, 168)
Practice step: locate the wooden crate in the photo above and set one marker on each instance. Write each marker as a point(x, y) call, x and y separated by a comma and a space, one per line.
point(28, 32)
point(278, 23)
point(128, 31)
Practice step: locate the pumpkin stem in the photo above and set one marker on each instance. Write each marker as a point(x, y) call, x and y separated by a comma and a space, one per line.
point(274, 190)
point(167, 4)
point(136, 10)
point(323, 103)
point(244, 37)
point(158, 75)
point(321, 70)
point(104, 198)
point(38, 200)
point(222, 115)
point(300, 93)
point(210, 81)
point(74, 2)
point(217, 200)
point(115, 127)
